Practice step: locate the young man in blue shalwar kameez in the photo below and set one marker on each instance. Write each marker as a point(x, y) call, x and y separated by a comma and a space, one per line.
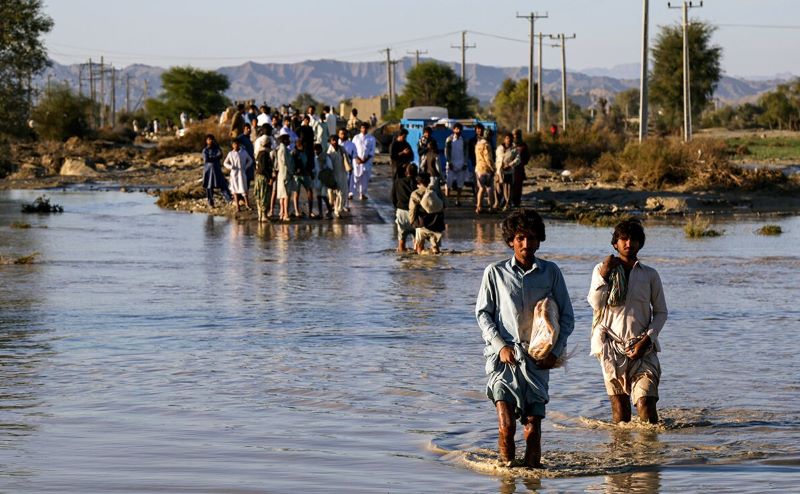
point(518, 384)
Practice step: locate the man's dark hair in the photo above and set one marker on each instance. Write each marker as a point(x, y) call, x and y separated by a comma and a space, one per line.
point(424, 178)
point(403, 131)
point(428, 129)
point(458, 126)
point(411, 170)
point(525, 221)
point(317, 148)
point(326, 108)
point(479, 126)
point(628, 229)
point(211, 136)
point(365, 124)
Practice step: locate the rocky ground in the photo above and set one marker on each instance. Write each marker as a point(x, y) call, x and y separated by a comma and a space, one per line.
point(177, 183)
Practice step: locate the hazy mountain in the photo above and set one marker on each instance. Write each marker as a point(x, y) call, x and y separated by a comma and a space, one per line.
point(331, 81)
point(623, 71)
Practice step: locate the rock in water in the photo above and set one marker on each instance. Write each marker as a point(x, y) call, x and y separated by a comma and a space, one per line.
point(78, 167)
point(544, 332)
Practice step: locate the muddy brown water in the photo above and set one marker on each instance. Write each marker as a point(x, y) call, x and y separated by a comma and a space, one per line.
point(153, 351)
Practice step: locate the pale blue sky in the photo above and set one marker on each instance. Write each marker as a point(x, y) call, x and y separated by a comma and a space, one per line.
point(211, 33)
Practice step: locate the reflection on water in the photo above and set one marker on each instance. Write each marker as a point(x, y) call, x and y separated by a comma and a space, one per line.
point(162, 352)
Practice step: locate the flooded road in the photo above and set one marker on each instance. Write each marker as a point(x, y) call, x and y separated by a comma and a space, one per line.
point(150, 351)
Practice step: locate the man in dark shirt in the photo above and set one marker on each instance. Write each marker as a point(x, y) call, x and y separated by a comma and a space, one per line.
point(401, 153)
point(246, 142)
point(401, 195)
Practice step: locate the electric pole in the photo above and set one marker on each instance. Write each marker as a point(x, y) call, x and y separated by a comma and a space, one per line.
point(532, 18)
point(563, 43)
point(127, 93)
point(388, 75)
point(393, 91)
point(416, 54)
point(464, 47)
point(643, 74)
point(687, 81)
point(113, 96)
point(539, 89)
point(102, 92)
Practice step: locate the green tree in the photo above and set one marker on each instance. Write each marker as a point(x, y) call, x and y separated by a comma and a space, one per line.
point(666, 78)
point(194, 91)
point(436, 84)
point(62, 114)
point(22, 56)
point(510, 105)
point(627, 102)
point(304, 100)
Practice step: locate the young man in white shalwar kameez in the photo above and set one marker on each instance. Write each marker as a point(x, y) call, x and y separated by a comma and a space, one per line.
point(237, 161)
point(629, 313)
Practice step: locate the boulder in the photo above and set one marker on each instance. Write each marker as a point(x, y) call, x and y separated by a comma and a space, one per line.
point(78, 167)
point(666, 204)
point(182, 160)
point(28, 171)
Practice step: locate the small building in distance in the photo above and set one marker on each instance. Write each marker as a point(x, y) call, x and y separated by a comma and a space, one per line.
point(378, 105)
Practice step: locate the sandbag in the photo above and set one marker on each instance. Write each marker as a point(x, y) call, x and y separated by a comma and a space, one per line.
point(431, 201)
point(545, 328)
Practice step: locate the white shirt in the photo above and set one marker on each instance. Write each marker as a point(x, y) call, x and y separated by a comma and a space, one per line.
point(365, 147)
point(644, 310)
point(330, 119)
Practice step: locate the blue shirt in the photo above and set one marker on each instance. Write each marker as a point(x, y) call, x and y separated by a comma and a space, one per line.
point(507, 297)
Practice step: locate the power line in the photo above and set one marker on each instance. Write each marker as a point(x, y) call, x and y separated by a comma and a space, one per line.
point(760, 26)
point(352, 50)
point(498, 36)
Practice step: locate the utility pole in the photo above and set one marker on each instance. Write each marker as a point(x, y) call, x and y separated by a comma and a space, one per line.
point(416, 54)
point(388, 75)
point(563, 43)
point(539, 89)
point(464, 47)
point(393, 91)
point(127, 93)
point(643, 74)
point(687, 81)
point(102, 93)
point(532, 18)
point(113, 96)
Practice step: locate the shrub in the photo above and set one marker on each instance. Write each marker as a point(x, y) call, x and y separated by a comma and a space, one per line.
point(62, 114)
point(42, 205)
point(699, 227)
point(192, 141)
point(770, 230)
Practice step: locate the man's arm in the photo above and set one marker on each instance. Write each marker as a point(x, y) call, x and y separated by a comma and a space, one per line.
point(659, 304)
point(566, 317)
point(598, 289)
point(413, 202)
point(485, 310)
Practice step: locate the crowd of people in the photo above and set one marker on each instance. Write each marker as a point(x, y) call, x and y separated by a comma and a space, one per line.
point(287, 156)
point(495, 174)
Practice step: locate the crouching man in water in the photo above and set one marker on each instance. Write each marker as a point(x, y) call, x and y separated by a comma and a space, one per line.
point(629, 312)
point(518, 385)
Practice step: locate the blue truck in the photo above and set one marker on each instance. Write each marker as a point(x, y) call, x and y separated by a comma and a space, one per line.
point(416, 118)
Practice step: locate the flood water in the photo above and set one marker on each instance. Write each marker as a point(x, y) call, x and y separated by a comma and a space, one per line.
point(153, 351)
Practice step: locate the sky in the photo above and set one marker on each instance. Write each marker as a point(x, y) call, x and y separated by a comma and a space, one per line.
point(759, 37)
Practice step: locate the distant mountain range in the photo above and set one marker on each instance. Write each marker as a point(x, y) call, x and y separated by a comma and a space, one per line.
point(331, 81)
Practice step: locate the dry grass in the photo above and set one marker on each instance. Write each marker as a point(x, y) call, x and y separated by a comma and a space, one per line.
point(770, 230)
point(193, 141)
point(29, 259)
point(699, 227)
